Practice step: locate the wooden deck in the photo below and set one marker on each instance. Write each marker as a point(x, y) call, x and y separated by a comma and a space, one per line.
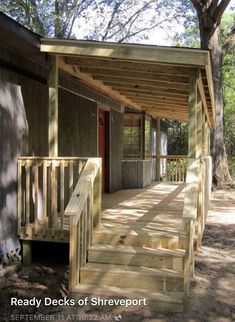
point(159, 207)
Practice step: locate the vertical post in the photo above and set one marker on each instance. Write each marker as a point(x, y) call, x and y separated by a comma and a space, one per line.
point(27, 252)
point(192, 122)
point(53, 107)
point(158, 160)
point(204, 138)
point(199, 130)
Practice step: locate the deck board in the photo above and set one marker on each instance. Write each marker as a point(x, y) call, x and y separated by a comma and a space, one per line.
point(153, 209)
point(157, 207)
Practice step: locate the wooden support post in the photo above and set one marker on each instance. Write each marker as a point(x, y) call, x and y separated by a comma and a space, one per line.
point(204, 133)
point(97, 197)
point(27, 252)
point(158, 161)
point(192, 122)
point(199, 130)
point(53, 107)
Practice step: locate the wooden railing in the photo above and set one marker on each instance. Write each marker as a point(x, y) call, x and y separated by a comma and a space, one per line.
point(84, 209)
point(171, 167)
point(45, 186)
point(196, 205)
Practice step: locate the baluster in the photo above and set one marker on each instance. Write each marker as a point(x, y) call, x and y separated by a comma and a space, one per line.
point(27, 193)
point(36, 193)
point(62, 193)
point(70, 178)
point(19, 210)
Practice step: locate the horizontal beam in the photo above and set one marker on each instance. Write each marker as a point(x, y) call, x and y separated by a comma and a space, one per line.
point(116, 64)
point(160, 92)
point(145, 53)
point(97, 72)
point(125, 77)
point(115, 82)
point(160, 98)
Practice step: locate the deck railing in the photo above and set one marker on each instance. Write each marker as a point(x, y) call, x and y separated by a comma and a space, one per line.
point(171, 168)
point(84, 209)
point(196, 205)
point(45, 186)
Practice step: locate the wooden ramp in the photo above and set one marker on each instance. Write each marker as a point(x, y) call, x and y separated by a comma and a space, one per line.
point(139, 249)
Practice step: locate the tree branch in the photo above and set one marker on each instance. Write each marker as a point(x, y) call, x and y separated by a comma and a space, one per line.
point(230, 41)
point(197, 5)
point(220, 9)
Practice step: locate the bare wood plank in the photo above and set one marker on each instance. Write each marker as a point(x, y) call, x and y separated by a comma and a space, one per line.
point(19, 200)
point(141, 75)
point(130, 52)
point(192, 127)
point(126, 66)
point(62, 194)
point(74, 255)
point(153, 81)
point(36, 170)
point(44, 195)
point(53, 198)
point(70, 178)
point(27, 198)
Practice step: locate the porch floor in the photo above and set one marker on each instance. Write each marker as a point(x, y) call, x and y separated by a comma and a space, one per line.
point(159, 207)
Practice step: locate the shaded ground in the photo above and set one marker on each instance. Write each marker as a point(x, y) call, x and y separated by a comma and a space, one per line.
point(212, 296)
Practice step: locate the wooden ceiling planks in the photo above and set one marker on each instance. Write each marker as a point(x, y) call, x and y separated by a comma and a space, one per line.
point(149, 78)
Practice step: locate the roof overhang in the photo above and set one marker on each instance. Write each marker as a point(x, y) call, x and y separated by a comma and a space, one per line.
point(149, 78)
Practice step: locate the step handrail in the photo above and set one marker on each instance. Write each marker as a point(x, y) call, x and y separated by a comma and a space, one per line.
point(190, 213)
point(84, 209)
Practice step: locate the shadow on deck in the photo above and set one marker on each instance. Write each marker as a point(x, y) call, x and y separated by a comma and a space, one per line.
point(159, 207)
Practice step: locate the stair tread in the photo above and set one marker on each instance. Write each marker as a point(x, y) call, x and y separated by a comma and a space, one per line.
point(112, 291)
point(139, 230)
point(112, 268)
point(137, 250)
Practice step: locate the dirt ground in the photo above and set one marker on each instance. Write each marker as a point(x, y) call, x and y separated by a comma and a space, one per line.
point(212, 292)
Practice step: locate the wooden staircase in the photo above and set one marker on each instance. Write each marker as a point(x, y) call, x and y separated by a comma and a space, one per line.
point(135, 265)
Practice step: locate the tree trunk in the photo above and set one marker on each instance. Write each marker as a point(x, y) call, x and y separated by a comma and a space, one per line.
point(210, 39)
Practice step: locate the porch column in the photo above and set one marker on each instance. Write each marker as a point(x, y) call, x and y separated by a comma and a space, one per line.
point(204, 152)
point(192, 122)
point(158, 150)
point(53, 107)
point(199, 130)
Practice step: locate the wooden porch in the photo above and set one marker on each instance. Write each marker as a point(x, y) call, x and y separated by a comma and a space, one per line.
point(133, 243)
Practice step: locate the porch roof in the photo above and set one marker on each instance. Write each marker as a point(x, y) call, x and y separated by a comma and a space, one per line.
point(149, 78)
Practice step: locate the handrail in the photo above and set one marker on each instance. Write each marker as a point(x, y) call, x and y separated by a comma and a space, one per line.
point(170, 167)
point(190, 213)
point(45, 185)
point(196, 205)
point(84, 209)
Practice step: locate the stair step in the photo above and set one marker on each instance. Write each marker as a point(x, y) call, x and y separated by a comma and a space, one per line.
point(132, 277)
point(137, 256)
point(141, 236)
point(159, 301)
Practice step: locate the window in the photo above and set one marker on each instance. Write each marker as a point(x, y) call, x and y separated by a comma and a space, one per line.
point(132, 136)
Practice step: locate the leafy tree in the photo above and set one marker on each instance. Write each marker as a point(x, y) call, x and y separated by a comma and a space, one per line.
point(209, 13)
point(112, 20)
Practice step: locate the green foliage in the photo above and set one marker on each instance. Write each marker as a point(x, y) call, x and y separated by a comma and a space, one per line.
point(178, 138)
point(229, 89)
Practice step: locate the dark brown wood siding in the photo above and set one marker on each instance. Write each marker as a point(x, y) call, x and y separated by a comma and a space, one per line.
point(77, 125)
point(116, 150)
point(23, 126)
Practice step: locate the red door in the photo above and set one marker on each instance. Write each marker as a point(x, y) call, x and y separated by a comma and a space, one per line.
point(103, 147)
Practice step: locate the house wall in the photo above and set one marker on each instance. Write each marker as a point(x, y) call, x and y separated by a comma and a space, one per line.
point(77, 125)
point(23, 130)
point(136, 174)
point(116, 150)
